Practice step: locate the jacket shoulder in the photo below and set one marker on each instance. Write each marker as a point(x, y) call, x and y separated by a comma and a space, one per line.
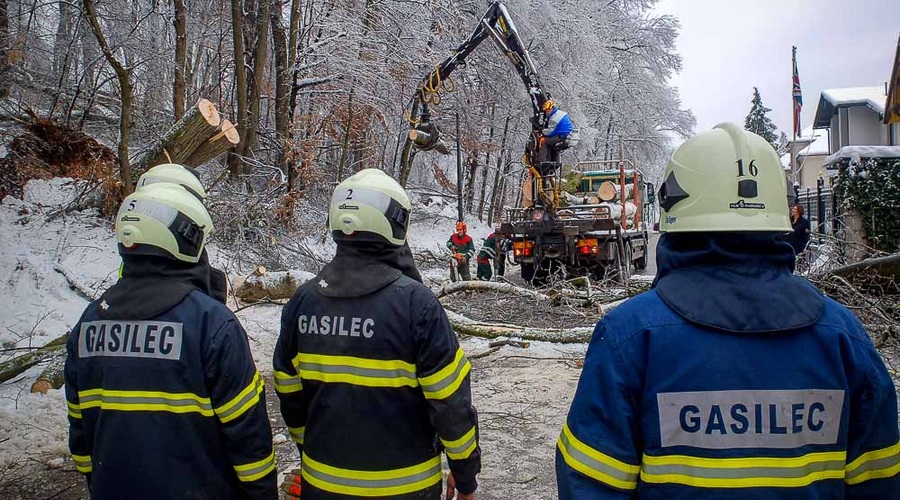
point(643, 311)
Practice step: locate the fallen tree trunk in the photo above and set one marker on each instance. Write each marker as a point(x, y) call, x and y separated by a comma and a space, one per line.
point(466, 326)
point(226, 139)
point(609, 191)
point(485, 286)
point(888, 267)
point(197, 126)
point(53, 375)
point(13, 367)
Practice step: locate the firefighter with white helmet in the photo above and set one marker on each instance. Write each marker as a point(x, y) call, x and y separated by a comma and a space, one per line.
point(731, 377)
point(186, 177)
point(162, 391)
point(372, 381)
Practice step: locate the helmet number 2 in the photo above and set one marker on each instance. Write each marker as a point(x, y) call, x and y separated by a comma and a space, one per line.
point(752, 168)
point(349, 194)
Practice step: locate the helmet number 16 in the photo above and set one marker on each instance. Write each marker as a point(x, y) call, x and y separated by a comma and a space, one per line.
point(752, 168)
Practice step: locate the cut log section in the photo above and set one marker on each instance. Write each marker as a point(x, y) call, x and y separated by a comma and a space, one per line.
point(226, 139)
point(609, 191)
point(53, 376)
point(199, 134)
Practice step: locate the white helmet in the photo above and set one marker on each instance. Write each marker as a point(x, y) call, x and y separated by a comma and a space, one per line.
point(163, 219)
point(173, 173)
point(369, 206)
point(726, 179)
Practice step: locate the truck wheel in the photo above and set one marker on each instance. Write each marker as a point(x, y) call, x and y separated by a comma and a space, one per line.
point(527, 272)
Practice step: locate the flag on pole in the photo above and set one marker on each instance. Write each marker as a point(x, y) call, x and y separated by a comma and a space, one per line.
point(798, 96)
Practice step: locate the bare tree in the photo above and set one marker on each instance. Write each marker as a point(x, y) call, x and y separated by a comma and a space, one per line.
point(180, 59)
point(126, 95)
point(4, 50)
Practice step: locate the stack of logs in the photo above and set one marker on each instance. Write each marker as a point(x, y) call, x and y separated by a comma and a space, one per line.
point(609, 194)
point(200, 136)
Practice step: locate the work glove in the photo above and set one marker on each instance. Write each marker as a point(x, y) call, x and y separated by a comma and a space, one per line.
point(292, 485)
point(458, 257)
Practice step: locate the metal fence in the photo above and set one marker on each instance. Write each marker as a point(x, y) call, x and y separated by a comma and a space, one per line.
point(819, 207)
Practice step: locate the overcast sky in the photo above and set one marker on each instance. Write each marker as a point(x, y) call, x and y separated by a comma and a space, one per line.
point(730, 46)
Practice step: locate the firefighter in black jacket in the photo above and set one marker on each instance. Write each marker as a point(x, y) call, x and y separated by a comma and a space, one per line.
point(372, 380)
point(164, 399)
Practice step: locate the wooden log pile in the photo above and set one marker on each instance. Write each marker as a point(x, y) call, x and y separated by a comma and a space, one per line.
point(200, 136)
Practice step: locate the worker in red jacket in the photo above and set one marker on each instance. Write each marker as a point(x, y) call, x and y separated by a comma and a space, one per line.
point(462, 248)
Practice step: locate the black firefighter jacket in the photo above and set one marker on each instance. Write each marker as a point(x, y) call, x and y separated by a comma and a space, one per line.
point(168, 407)
point(372, 387)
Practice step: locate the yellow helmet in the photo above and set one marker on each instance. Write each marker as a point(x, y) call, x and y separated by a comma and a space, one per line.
point(173, 173)
point(369, 206)
point(725, 179)
point(163, 219)
point(548, 105)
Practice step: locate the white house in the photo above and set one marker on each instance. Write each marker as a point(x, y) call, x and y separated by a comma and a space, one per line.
point(853, 117)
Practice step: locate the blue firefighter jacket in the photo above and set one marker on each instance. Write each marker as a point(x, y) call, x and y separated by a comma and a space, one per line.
point(558, 123)
point(168, 407)
point(730, 379)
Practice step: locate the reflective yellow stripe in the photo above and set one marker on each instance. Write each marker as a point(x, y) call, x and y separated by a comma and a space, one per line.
point(746, 472)
point(256, 470)
point(461, 448)
point(297, 434)
point(875, 464)
point(595, 464)
point(242, 402)
point(371, 483)
point(83, 463)
point(74, 409)
point(145, 401)
point(285, 383)
point(448, 379)
point(356, 371)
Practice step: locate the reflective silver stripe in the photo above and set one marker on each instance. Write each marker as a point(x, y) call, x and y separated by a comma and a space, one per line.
point(83, 463)
point(372, 373)
point(286, 383)
point(744, 472)
point(255, 470)
point(461, 448)
point(371, 483)
point(144, 401)
point(74, 409)
point(883, 463)
point(610, 475)
point(88, 401)
point(297, 434)
point(490, 251)
point(248, 397)
point(440, 389)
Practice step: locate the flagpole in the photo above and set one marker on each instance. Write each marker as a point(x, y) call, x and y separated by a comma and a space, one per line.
point(793, 118)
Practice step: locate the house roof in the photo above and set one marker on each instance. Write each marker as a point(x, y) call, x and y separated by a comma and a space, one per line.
point(892, 103)
point(832, 99)
point(854, 153)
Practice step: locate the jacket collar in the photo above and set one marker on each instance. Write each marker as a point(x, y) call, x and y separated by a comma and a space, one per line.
point(736, 282)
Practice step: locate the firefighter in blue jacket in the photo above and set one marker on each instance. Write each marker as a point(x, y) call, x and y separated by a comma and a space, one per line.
point(731, 378)
point(558, 128)
point(371, 378)
point(164, 399)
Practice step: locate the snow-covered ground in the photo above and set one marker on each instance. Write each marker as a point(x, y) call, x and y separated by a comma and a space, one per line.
point(521, 394)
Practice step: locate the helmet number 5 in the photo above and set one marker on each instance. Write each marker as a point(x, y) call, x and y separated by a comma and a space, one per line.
point(752, 168)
